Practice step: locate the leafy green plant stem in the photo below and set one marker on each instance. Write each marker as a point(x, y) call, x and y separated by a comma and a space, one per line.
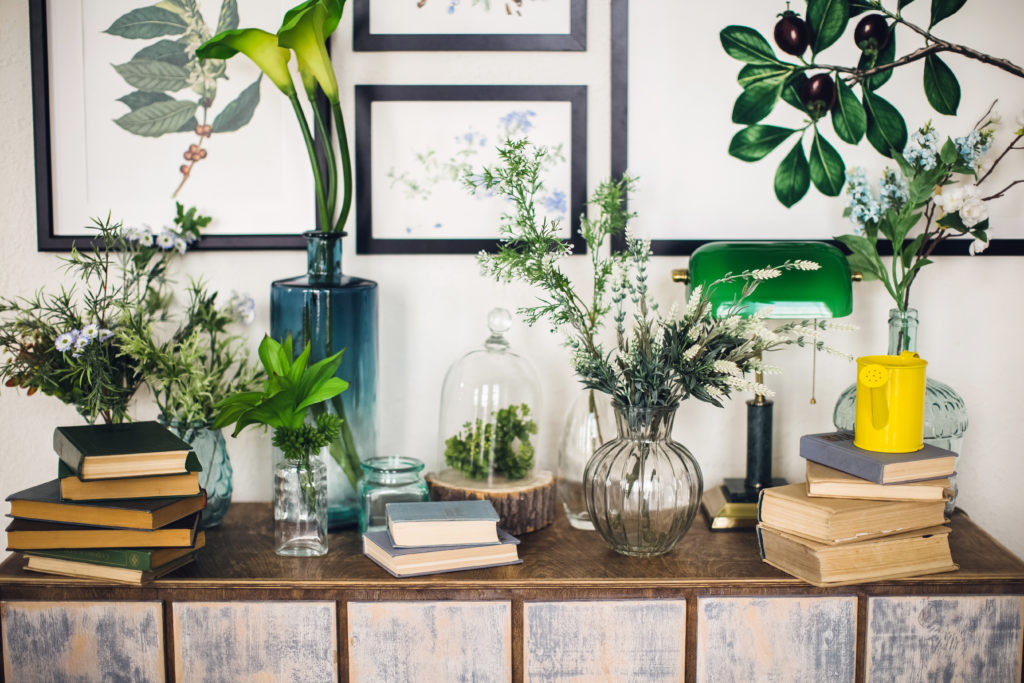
point(332, 166)
point(318, 182)
point(346, 166)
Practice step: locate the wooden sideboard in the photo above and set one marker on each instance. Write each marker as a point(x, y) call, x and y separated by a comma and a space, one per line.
point(574, 610)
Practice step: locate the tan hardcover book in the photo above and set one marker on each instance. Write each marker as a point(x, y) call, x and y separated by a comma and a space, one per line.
point(826, 482)
point(161, 486)
point(401, 562)
point(915, 553)
point(51, 565)
point(843, 520)
point(27, 534)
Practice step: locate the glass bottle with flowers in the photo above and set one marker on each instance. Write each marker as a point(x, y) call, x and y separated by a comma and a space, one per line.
point(642, 489)
point(935, 194)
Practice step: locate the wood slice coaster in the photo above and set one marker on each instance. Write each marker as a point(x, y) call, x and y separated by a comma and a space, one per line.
point(523, 505)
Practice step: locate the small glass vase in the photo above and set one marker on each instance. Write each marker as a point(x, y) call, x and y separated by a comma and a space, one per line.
point(588, 424)
point(300, 504)
point(333, 311)
point(388, 479)
point(945, 415)
point(215, 479)
point(642, 488)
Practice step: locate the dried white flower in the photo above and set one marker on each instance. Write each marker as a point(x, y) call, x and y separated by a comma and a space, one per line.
point(803, 264)
point(728, 367)
point(695, 300)
point(765, 273)
point(977, 246)
point(691, 353)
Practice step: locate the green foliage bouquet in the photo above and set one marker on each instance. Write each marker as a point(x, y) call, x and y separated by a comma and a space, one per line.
point(657, 359)
point(65, 343)
point(933, 195)
point(303, 32)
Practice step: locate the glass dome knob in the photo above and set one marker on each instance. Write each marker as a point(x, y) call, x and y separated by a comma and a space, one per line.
point(499, 321)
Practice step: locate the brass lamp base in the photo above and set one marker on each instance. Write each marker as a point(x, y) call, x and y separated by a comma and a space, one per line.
point(729, 507)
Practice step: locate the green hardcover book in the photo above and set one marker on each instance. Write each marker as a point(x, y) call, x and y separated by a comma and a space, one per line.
point(142, 559)
point(43, 503)
point(132, 449)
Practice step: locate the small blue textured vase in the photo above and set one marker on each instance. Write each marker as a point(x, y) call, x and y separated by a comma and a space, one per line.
point(215, 479)
point(334, 312)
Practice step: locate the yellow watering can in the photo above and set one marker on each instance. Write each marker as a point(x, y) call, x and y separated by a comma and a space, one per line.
point(890, 403)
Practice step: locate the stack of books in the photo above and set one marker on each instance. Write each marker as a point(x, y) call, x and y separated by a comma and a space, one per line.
point(440, 536)
point(125, 506)
point(860, 516)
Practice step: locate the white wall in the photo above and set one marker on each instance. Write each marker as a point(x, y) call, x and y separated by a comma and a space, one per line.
point(434, 307)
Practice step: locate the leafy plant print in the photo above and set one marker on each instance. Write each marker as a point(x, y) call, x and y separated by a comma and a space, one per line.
point(511, 7)
point(173, 92)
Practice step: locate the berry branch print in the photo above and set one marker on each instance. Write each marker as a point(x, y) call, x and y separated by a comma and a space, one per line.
point(168, 66)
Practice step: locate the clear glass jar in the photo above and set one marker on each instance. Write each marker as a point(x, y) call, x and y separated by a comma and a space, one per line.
point(945, 415)
point(388, 479)
point(489, 405)
point(589, 423)
point(300, 504)
point(642, 488)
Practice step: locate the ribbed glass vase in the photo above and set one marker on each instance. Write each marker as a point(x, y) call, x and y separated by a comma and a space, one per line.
point(945, 415)
point(215, 479)
point(334, 312)
point(642, 488)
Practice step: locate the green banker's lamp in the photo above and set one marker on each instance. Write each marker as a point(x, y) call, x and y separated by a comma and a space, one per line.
point(822, 293)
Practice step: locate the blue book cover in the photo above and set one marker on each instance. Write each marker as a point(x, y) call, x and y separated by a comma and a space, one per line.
point(401, 562)
point(836, 450)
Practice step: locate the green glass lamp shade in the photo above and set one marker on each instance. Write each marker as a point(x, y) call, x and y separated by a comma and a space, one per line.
point(822, 293)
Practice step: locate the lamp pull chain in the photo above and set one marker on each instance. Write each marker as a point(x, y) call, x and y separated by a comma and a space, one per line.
point(814, 362)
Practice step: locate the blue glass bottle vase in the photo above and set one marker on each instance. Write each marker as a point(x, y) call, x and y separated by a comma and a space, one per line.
point(334, 312)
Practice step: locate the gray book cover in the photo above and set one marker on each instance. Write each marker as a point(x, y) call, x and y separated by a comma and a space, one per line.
point(837, 450)
point(382, 539)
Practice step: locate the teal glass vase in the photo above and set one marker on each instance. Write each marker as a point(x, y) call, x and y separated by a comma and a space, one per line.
point(945, 415)
point(215, 479)
point(335, 312)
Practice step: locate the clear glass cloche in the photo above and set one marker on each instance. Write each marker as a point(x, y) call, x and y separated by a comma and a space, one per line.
point(490, 404)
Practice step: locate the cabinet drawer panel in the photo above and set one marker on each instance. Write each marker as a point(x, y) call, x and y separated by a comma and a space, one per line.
point(83, 641)
point(614, 640)
point(255, 641)
point(776, 639)
point(947, 638)
point(430, 641)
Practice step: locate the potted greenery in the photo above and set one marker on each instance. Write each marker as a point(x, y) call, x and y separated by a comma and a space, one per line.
point(322, 308)
point(291, 391)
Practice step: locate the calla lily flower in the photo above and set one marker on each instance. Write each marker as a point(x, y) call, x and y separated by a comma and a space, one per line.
point(305, 30)
point(259, 46)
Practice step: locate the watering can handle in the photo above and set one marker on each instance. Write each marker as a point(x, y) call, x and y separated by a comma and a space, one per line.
point(875, 377)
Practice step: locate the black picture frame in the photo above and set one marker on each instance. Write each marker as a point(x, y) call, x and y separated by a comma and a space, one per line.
point(685, 247)
point(47, 239)
point(574, 41)
point(367, 243)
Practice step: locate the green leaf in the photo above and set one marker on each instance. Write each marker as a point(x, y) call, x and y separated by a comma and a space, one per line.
point(755, 142)
point(747, 45)
point(940, 86)
point(859, 7)
point(848, 117)
point(903, 226)
point(827, 170)
point(148, 22)
point(864, 266)
point(228, 19)
point(910, 250)
point(327, 389)
point(887, 132)
point(793, 177)
point(238, 111)
point(905, 167)
point(866, 253)
point(904, 3)
point(170, 51)
point(886, 56)
point(758, 100)
point(154, 120)
point(151, 75)
point(792, 90)
point(953, 222)
point(827, 21)
point(949, 153)
point(271, 355)
point(942, 9)
point(141, 98)
point(755, 73)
